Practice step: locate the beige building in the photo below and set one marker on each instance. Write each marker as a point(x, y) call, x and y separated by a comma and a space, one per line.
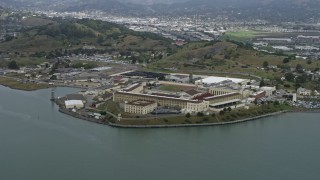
point(224, 100)
point(197, 106)
point(140, 107)
point(134, 88)
point(221, 91)
point(170, 101)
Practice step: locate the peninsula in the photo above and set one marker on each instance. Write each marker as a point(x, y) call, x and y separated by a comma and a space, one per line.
point(138, 78)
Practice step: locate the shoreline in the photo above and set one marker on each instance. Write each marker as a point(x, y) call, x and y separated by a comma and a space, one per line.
point(213, 124)
point(14, 83)
point(75, 115)
point(197, 125)
point(40, 88)
point(114, 125)
point(104, 122)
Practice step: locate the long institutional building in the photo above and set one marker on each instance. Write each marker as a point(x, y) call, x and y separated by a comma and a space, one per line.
point(143, 103)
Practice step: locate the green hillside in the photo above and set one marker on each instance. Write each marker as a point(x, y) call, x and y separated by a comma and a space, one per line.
point(232, 59)
point(42, 36)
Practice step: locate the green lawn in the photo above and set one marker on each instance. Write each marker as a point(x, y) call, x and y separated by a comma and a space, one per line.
point(241, 35)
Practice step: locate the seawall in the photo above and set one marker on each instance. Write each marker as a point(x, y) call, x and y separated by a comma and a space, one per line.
point(195, 125)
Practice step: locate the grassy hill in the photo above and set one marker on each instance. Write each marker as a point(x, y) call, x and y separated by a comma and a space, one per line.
point(230, 59)
point(42, 38)
point(46, 35)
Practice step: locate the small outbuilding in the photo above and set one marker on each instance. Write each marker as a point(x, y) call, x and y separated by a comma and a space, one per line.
point(76, 104)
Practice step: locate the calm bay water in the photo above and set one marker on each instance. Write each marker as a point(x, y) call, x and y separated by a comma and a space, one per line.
point(39, 143)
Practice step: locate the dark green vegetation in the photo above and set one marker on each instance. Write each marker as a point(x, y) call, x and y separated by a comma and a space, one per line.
point(227, 115)
point(13, 65)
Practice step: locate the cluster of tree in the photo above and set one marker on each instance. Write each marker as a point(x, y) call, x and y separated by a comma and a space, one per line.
point(8, 38)
point(222, 112)
point(289, 58)
point(231, 53)
point(13, 65)
point(67, 30)
point(265, 64)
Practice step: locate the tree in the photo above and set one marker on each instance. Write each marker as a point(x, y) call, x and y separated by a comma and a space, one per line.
point(229, 109)
point(289, 77)
point(53, 77)
point(9, 38)
point(13, 65)
point(302, 79)
point(276, 103)
point(299, 68)
point(286, 60)
point(265, 64)
point(103, 113)
point(309, 61)
point(188, 115)
point(200, 114)
point(262, 83)
point(100, 39)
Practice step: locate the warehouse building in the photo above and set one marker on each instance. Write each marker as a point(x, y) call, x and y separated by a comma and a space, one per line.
point(74, 104)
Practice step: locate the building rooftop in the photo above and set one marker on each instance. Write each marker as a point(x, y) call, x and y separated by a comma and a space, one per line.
point(215, 80)
point(75, 97)
point(141, 103)
point(165, 95)
point(158, 96)
point(73, 102)
point(203, 96)
point(221, 96)
point(132, 87)
point(192, 92)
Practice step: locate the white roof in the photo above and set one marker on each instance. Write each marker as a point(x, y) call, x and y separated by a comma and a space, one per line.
point(101, 68)
point(214, 79)
point(268, 88)
point(73, 102)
